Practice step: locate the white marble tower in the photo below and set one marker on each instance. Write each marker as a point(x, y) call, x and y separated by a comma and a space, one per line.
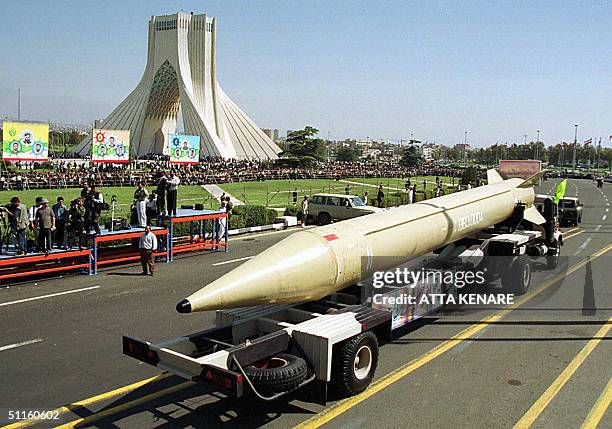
point(181, 71)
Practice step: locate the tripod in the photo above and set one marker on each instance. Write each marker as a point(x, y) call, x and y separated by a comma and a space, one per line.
point(113, 203)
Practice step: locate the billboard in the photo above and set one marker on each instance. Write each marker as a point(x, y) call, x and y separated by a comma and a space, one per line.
point(25, 142)
point(110, 146)
point(523, 168)
point(183, 149)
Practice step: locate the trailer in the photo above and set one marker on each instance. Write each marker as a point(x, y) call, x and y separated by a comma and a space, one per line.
point(271, 351)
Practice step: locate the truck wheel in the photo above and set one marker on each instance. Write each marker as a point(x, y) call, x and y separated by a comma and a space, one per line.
point(517, 277)
point(552, 260)
point(280, 373)
point(355, 364)
point(324, 218)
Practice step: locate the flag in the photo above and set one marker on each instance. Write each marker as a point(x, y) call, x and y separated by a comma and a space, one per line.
point(588, 142)
point(560, 190)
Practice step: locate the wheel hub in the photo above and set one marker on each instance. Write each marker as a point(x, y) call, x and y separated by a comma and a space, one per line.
point(362, 363)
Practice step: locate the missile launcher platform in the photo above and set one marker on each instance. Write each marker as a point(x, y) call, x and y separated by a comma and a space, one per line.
point(272, 350)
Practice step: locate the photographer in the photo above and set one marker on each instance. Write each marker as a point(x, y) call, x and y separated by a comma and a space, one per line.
point(76, 223)
point(19, 223)
point(32, 221)
point(151, 207)
point(61, 216)
point(93, 206)
point(140, 202)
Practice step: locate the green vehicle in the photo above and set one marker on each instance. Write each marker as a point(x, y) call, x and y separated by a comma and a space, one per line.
point(327, 207)
point(570, 211)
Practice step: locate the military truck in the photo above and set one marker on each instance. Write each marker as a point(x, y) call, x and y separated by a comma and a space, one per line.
point(570, 211)
point(270, 351)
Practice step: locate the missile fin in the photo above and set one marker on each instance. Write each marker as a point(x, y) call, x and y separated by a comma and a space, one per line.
point(532, 180)
point(533, 215)
point(493, 177)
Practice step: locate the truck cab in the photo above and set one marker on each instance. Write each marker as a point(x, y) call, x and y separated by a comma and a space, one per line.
point(570, 211)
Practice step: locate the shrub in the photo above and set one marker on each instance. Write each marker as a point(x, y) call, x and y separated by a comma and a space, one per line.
point(291, 211)
point(253, 215)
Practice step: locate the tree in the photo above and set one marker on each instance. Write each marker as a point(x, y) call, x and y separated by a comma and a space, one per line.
point(469, 175)
point(302, 150)
point(347, 154)
point(411, 157)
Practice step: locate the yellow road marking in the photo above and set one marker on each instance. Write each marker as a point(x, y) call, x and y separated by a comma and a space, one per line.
point(126, 406)
point(89, 401)
point(573, 235)
point(342, 406)
point(599, 409)
point(538, 407)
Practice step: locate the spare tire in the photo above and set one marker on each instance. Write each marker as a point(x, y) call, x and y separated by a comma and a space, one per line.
point(277, 374)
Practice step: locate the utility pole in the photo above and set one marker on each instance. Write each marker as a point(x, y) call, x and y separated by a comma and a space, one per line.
point(598, 152)
point(575, 143)
point(465, 148)
point(19, 104)
point(538, 146)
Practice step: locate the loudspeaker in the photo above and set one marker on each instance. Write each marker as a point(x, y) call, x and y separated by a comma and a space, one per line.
point(199, 206)
point(187, 206)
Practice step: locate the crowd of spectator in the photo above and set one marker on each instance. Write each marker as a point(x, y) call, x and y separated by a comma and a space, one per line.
point(76, 173)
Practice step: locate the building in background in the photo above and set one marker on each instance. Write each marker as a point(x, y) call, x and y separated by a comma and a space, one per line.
point(181, 73)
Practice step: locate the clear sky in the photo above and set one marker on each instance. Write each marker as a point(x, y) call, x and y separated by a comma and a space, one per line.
point(379, 69)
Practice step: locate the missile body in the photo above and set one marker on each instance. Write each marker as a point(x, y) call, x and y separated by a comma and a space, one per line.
point(311, 264)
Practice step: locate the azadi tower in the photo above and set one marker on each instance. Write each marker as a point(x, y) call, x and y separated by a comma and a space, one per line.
point(181, 71)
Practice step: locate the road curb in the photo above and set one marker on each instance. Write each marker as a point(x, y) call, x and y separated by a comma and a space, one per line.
point(271, 227)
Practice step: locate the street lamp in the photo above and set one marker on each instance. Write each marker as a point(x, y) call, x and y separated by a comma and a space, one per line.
point(575, 143)
point(538, 146)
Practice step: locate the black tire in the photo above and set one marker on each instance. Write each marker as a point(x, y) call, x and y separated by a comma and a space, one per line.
point(355, 364)
point(517, 277)
point(324, 218)
point(280, 373)
point(552, 259)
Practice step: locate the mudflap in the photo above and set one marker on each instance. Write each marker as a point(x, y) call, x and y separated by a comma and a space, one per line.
point(316, 392)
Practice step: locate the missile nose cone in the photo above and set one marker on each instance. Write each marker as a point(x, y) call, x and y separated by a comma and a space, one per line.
point(283, 273)
point(184, 306)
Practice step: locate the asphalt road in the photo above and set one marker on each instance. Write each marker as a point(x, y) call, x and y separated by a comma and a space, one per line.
point(543, 363)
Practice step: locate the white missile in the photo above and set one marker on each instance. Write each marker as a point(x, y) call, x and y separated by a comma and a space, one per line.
point(311, 264)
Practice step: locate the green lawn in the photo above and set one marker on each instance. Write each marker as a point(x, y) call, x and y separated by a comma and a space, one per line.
point(186, 195)
point(278, 193)
point(271, 193)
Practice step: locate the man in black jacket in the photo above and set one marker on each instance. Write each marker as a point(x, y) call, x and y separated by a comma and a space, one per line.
point(162, 187)
point(93, 207)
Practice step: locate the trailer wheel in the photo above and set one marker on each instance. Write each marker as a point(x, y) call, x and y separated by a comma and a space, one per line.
point(517, 277)
point(552, 260)
point(280, 373)
point(355, 364)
